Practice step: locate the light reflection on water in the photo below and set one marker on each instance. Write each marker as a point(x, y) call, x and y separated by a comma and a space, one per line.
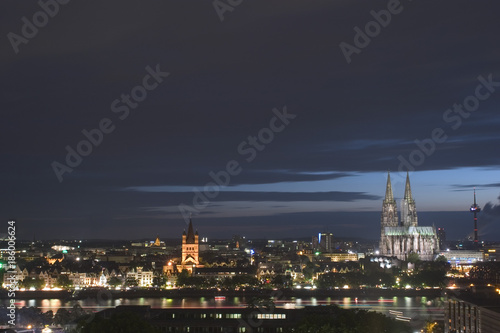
point(411, 306)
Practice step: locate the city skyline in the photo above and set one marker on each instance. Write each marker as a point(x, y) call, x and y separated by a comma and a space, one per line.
point(114, 126)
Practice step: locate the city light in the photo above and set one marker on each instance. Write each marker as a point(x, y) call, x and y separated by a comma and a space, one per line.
point(250, 166)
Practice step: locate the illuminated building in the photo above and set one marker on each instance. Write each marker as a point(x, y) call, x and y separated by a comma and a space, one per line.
point(441, 238)
point(491, 253)
point(462, 257)
point(341, 257)
point(215, 320)
point(190, 250)
point(325, 240)
point(168, 269)
point(315, 243)
point(401, 239)
point(102, 279)
point(157, 242)
point(12, 277)
point(56, 258)
point(144, 278)
point(472, 313)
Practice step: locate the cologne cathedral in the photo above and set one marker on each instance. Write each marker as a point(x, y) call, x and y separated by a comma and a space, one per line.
point(399, 239)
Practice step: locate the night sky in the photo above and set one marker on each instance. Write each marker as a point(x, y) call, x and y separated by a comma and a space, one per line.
point(299, 108)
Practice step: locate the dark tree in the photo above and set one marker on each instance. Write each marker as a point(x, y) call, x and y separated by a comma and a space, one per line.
point(115, 282)
point(182, 278)
point(62, 317)
point(63, 281)
point(131, 282)
point(30, 282)
point(159, 281)
point(308, 270)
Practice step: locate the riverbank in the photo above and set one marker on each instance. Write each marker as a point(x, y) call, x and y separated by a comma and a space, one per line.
point(210, 293)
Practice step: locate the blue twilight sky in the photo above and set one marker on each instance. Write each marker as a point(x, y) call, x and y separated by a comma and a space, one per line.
point(114, 115)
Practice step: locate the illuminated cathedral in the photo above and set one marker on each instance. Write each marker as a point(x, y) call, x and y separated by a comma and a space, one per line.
point(399, 239)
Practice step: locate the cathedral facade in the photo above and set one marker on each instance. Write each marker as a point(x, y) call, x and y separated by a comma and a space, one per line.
point(399, 239)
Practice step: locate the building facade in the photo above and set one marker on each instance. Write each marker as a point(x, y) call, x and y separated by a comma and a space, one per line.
point(218, 320)
point(190, 250)
point(472, 315)
point(399, 239)
point(143, 277)
point(326, 242)
point(441, 233)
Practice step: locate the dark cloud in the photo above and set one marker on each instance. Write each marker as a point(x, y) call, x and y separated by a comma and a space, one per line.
point(273, 196)
point(477, 187)
point(366, 225)
point(489, 218)
point(226, 77)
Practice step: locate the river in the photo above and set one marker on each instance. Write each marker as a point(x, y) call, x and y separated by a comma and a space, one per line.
point(418, 308)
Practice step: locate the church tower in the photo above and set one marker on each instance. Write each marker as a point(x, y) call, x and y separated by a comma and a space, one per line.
point(389, 216)
point(408, 208)
point(402, 239)
point(190, 249)
point(389, 209)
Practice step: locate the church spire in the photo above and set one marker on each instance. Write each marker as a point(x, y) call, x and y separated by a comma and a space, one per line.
point(157, 241)
point(389, 197)
point(408, 188)
point(389, 218)
point(190, 233)
point(408, 208)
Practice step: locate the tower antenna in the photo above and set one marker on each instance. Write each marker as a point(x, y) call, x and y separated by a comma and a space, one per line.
point(475, 209)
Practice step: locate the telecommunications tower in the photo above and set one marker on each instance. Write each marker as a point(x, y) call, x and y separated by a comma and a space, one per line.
point(475, 209)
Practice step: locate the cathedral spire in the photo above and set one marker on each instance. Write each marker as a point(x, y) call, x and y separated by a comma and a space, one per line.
point(408, 208)
point(389, 197)
point(389, 218)
point(408, 188)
